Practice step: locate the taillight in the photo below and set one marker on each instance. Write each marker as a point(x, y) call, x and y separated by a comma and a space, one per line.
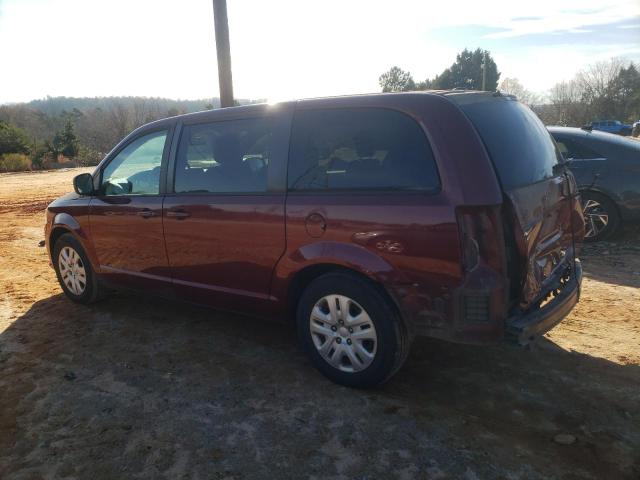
point(481, 237)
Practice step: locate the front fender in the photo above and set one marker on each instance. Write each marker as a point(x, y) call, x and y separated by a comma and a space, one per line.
point(65, 223)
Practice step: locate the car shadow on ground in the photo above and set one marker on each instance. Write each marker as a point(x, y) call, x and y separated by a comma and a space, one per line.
point(147, 387)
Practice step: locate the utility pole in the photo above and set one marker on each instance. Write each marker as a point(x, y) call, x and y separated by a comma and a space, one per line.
point(484, 71)
point(223, 51)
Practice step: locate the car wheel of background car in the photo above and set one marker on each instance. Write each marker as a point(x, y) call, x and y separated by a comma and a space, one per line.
point(351, 331)
point(601, 218)
point(74, 271)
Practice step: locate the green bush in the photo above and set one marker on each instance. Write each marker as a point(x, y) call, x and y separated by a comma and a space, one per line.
point(14, 162)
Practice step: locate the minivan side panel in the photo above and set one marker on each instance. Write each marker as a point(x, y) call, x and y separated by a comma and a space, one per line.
point(406, 241)
point(403, 242)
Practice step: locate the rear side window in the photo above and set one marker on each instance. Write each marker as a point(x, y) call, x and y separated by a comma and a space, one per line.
point(359, 149)
point(573, 150)
point(224, 157)
point(518, 143)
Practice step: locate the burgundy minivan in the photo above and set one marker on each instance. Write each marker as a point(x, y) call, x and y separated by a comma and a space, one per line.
point(366, 220)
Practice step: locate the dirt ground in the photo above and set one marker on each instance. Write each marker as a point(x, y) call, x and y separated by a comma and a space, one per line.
point(143, 388)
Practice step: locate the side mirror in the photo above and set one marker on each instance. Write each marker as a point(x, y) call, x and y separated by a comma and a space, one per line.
point(83, 184)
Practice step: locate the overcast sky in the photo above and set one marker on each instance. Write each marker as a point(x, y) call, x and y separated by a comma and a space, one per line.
point(295, 48)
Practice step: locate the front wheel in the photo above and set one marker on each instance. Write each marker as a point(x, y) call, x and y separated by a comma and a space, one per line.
point(601, 218)
point(74, 272)
point(351, 331)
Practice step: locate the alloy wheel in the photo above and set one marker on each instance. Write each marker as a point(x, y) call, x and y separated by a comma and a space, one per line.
point(596, 218)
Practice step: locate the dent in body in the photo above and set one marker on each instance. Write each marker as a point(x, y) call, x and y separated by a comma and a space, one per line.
point(545, 228)
point(406, 261)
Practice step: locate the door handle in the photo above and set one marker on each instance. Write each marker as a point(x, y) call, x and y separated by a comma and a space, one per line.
point(146, 213)
point(178, 214)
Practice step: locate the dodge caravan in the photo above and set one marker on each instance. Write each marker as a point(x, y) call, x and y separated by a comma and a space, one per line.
point(365, 221)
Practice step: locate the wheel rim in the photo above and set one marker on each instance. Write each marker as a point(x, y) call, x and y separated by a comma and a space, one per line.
point(596, 218)
point(343, 333)
point(72, 271)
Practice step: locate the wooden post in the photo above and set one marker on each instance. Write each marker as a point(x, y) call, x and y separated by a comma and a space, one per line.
point(223, 51)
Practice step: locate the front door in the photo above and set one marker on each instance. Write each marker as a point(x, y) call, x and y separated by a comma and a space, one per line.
point(126, 216)
point(224, 223)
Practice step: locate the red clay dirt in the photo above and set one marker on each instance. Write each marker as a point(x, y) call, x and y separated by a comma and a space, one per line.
point(136, 387)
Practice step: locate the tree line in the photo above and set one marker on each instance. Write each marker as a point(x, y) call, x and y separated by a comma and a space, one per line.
point(45, 133)
point(608, 90)
point(465, 73)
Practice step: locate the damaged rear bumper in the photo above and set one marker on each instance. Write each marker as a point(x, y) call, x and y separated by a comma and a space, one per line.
point(524, 328)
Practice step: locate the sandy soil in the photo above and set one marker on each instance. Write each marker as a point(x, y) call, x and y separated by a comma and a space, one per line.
point(143, 388)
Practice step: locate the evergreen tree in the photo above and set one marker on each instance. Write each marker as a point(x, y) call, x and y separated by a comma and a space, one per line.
point(466, 72)
point(12, 139)
point(65, 141)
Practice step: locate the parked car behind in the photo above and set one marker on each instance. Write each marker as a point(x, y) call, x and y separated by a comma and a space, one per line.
point(607, 170)
point(612, 126)
point(366, 220)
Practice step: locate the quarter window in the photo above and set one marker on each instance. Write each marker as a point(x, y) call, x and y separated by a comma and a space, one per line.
point(359, 149)
point(224, 157)
point(136, 169)
point(518, 143)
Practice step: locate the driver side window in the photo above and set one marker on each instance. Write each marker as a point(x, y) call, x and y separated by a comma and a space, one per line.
point(136, 169)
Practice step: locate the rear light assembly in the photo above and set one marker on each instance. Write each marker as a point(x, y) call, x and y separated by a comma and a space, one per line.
point(483, 261)
point(481, 237)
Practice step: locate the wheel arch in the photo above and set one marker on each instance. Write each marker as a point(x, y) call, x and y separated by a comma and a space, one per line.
point(618, 212)
point(303, 278)
point(64, 223)
point(56, 232)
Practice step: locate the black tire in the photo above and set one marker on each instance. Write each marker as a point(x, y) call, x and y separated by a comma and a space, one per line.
point(92, 290)
point(604, 206)
point(392, 338)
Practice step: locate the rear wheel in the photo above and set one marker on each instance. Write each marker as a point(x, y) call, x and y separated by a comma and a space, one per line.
point(74, 271)
point(351, 331)
point(601, 218)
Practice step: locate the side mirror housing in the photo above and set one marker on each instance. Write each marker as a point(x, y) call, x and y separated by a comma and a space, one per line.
point(83, 184)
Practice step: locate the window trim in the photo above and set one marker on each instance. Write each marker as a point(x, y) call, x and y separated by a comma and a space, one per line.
point(173, 159)
point(170, 129)
point(426, 191)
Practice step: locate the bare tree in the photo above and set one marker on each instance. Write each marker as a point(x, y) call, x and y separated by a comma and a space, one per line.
point(568, 105)
point(596, 83)
point(120, 119)
point(512, 86)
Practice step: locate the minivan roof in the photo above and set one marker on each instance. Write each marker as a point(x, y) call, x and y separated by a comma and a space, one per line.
point(458, 96)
